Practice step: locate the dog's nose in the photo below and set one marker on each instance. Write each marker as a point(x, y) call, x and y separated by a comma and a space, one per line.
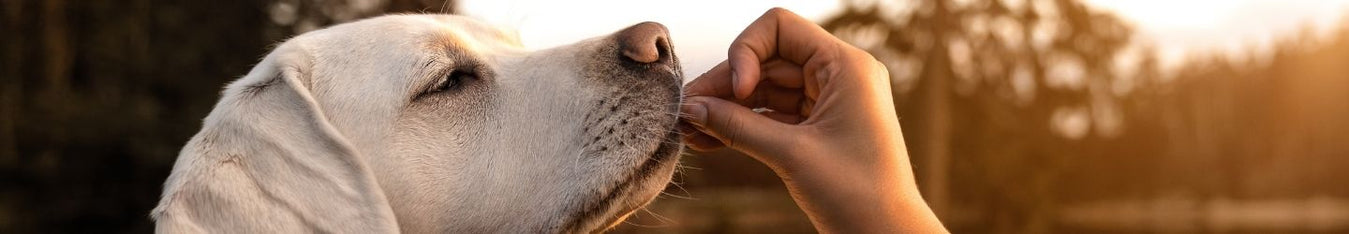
point(646, 42)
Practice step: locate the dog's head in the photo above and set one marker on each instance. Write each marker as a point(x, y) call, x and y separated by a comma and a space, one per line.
point(445, 124)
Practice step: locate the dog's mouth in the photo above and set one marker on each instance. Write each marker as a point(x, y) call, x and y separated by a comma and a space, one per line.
point(628, 194)
point(632, 133)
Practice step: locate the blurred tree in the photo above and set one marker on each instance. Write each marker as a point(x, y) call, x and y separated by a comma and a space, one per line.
point(98, 96)
point(1016, 109)
point(1271, 123)
point(1248, 142)
point(995, 93)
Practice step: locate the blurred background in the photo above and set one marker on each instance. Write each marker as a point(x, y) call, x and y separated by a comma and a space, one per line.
point(1022, 116)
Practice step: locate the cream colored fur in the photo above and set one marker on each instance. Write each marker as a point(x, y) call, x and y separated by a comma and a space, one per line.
point(334, 132)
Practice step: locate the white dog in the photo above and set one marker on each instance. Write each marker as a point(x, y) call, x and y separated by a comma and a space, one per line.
point(432, 123)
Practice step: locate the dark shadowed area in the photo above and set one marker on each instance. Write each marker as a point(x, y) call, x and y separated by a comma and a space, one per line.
point(97, 97)
point(1034, 116)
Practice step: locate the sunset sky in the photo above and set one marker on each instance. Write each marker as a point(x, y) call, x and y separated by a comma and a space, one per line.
point(1182, 27)
point(701, 29)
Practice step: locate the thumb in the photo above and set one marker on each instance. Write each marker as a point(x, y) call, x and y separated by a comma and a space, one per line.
point(736, 126)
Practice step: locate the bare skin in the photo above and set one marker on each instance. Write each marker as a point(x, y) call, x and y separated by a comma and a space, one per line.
point(832, 134)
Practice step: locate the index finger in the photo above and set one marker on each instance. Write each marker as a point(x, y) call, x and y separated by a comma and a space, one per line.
point(716, 82)
point(782, 34)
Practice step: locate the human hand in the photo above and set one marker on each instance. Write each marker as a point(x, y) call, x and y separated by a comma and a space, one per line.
point(831, 134)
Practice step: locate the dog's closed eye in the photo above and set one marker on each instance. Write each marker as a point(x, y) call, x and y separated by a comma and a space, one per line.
point(451, 82)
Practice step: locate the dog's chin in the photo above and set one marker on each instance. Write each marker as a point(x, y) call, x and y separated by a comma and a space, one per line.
point(641, 185)
point(646, 188)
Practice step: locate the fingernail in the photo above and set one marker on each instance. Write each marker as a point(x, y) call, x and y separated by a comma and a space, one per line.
point(697, 112)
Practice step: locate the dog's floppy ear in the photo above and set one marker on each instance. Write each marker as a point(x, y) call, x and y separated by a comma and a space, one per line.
point(267, 160)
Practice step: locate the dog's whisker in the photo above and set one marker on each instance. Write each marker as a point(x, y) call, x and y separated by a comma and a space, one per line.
point(678, 196)
point(629, 222)
point(682, 166)
point(665, 221)
point(688, 195)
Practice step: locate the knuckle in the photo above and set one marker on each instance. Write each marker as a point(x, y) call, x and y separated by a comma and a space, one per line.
point(734, 133)
point(740, 46)
point(879, 69)
point(858, 54)
point(861, 60)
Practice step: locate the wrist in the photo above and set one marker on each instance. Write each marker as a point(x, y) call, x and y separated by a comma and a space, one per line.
point(870, 211)
point(867, 196)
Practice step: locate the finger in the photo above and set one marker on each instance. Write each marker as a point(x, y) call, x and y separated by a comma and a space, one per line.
point(807, 107)
point(697, 140)
point(777, 98)
point(778, 33)
point(702, 142)
point(782, 72)
point(736, 126)
point(716, 82)
point(782, 101)
point(784, 117)
point(685, 128)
